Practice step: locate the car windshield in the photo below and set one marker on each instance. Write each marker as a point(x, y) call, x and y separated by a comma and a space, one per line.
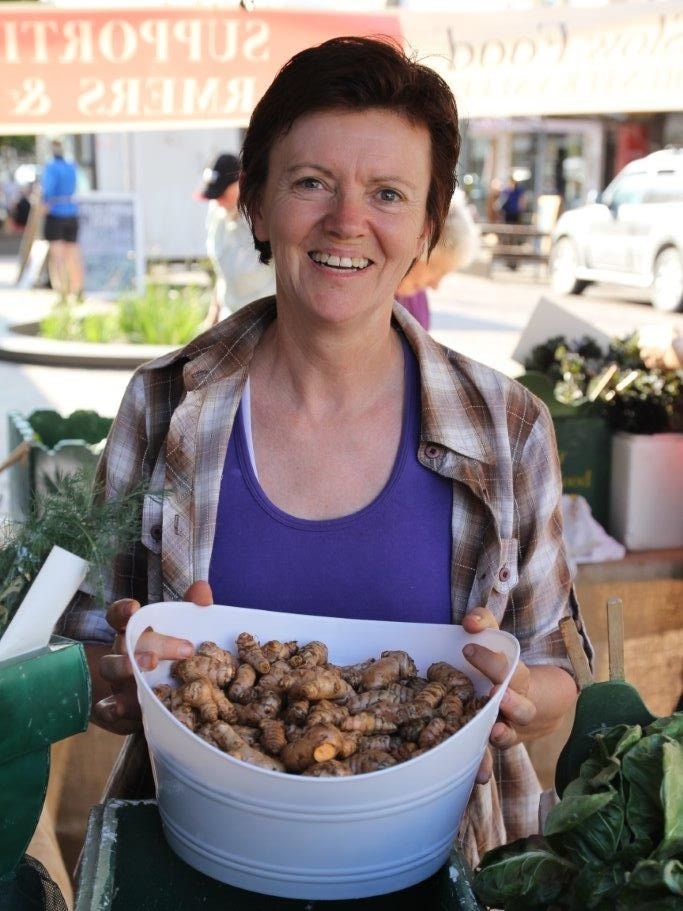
point(627, 188)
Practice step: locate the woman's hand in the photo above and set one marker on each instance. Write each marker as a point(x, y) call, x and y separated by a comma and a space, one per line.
point(536, 698)
point(120, 711)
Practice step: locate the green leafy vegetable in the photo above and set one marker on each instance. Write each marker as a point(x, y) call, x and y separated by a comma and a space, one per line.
point(615, 840)
point(71, 517)
point(526, 869)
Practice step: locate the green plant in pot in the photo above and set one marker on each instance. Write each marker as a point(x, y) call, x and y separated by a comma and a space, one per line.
point(591, 393)
point(45, 686)
point(70, 516)
point(617, 384)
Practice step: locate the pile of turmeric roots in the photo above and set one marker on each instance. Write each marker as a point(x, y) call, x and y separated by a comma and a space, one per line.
point(286, 708)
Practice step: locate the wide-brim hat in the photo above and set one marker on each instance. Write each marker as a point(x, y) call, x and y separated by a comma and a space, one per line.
point(216, 179)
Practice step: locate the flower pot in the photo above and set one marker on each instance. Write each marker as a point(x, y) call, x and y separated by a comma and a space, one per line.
point(60, 446)
point(646, 496)
point(583, 444)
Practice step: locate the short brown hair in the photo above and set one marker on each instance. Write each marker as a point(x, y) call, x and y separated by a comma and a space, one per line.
point(354, 74)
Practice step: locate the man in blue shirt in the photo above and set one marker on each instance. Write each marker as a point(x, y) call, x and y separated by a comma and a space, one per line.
point(65, 265)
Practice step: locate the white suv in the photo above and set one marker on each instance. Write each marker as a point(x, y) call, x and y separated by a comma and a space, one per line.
point(632, 235)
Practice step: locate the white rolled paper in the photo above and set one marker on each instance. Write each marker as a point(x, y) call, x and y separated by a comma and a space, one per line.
point(45, 601)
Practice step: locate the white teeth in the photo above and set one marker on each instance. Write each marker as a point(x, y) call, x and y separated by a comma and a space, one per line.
point(340, 262)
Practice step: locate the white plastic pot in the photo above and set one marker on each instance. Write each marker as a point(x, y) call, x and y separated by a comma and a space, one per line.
point(301, 837)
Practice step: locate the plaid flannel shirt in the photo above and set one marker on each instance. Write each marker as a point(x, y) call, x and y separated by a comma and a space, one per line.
point(479, 428)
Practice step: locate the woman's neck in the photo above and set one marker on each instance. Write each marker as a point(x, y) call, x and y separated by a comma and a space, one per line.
point(336, 370)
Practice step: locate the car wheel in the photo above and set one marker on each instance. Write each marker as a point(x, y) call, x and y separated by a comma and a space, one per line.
point(563, 263)
point(667, 281)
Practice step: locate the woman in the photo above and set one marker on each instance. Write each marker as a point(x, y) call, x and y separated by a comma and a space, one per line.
point(319, 451)
point(456, 248)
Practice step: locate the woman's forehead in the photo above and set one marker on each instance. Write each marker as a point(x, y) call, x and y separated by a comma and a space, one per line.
point(378, 135)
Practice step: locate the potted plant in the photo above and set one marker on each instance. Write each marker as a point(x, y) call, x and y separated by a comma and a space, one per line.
point(44, 445)
point(44, 682)
point(632, 401)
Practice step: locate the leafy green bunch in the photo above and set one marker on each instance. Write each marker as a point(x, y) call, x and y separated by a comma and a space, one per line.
point(70, 515)
point(615, 840)
point(161, 316)
point(616, 383)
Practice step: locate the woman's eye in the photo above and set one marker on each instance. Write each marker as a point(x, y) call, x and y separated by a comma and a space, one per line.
point(309, 183)
point(386, 194)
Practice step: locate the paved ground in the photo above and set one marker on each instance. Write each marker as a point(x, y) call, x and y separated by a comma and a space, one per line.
point(24, 387)
point(482, 317)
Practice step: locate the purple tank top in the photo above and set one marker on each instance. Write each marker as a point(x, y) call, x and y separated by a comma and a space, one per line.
point(388, 561)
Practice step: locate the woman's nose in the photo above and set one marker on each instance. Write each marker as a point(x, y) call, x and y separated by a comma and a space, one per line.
point(346, 214)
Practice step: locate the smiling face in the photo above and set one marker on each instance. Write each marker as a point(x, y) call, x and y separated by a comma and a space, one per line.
point(344, 210)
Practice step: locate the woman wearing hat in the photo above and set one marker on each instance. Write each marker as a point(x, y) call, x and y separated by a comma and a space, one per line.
point(240, 276)
point(320, 453)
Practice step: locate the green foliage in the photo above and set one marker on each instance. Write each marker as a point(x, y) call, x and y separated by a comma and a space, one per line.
point(617, 383)
point(161, 316)
point(51, 428)
point(615, 840)
point(72, 516)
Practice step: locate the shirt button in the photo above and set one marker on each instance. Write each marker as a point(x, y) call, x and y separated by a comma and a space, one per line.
point(432, 452)
point(504, 574)
point(155, 532)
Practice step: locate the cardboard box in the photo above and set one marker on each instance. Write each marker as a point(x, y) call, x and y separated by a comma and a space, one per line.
point(646, 491)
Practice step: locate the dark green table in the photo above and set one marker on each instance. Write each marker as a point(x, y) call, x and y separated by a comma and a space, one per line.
point(128, 866)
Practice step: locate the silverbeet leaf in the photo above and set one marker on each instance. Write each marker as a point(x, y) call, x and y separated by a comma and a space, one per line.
point(642, 769)
point(595, 885)
point(587, 828)
point(671, 794)
point(652, 881)
point(526, 869)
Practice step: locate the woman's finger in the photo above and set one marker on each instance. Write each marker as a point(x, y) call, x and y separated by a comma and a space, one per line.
point(485, 769)
point(115, 669)
point(119, 713)
point(503, 736)
point(517, 708)
point(478, 619)
point(166, 648)
point(200, 593)
point(495, 666)
point(119, 613)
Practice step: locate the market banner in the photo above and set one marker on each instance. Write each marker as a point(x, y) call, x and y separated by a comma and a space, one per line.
point(100, 69)
point(90, 70)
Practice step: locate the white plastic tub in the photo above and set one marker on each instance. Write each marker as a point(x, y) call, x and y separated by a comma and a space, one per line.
point(301, 837)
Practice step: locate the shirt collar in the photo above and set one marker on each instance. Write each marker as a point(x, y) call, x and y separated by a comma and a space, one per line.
point(448, 402)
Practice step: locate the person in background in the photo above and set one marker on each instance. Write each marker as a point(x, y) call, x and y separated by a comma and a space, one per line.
point(65, 264)
point(21, 209)
point(240, 276)
point(512, 202)
point(320, 453)
point(455, 250)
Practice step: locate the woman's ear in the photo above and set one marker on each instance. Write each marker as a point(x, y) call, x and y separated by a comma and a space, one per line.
point(423, 240)
point(258, 224)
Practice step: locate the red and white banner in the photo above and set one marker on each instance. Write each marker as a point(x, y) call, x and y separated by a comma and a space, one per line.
point(89, 70)
point(85, 70)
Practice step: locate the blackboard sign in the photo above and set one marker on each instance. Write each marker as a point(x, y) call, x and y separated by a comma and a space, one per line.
point(111, 243)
